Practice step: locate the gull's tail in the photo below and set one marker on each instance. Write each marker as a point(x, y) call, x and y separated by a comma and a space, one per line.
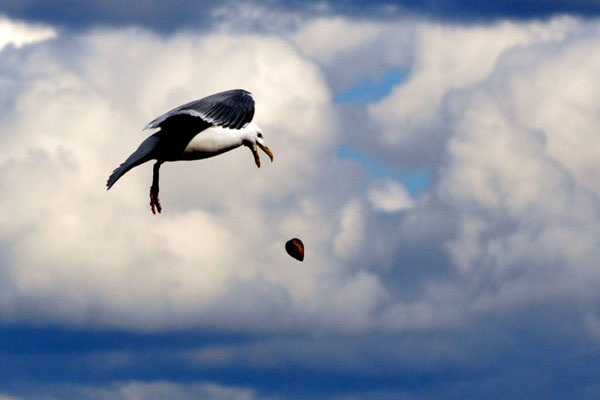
point(144, 153)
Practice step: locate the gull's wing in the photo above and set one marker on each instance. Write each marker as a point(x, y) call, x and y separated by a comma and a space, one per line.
point(230, 109)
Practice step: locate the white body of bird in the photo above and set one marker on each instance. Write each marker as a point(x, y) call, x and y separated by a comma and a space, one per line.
point(218, 140)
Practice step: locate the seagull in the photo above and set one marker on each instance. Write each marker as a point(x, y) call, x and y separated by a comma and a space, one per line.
point(200, 129)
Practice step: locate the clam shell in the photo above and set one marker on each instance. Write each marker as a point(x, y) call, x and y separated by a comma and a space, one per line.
point(295, 248)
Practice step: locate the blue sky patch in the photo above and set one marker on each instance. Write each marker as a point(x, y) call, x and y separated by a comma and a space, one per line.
point(371, 90)
point(415, 181)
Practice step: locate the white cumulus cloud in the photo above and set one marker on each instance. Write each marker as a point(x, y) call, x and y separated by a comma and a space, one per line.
point(390, 196)
point(75, 254)
point(18, 33)
point(507, 113)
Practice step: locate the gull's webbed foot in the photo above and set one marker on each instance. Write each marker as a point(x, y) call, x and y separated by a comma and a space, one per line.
point(154, 200)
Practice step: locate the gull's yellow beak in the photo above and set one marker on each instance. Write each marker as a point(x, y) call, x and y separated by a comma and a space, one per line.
point(263, 148)
point(266, 150)
point(256, 157)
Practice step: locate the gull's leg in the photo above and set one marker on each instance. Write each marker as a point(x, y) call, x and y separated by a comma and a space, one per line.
point(154, 200)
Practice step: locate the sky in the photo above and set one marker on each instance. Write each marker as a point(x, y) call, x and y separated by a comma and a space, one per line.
point(438, 160)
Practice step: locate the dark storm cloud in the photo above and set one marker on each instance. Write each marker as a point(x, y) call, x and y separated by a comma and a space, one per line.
point(474, 10)
point(506, 8)
point(158, 15)
point(172, 15)
point(524, 361)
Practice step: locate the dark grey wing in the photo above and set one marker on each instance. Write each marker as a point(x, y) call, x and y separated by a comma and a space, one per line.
point(230, 109)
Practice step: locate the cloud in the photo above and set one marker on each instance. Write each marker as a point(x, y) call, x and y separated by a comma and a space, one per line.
point(110, 12)
point(142, 390)
point(19, 34)
point(390, 196)
point(413, 117)
point(507, 124)
point(370, 48)
point(499, 254)
point(536, 213)
point(80, 256)
point(197, 263)
point(522, 212)
point(187, 14)
point(520, 209)
point(502, 9)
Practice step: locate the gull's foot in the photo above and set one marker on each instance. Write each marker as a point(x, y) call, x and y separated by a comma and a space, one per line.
point(154, 201)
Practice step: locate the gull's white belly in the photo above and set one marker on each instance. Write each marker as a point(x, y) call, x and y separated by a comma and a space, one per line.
point(211, 142)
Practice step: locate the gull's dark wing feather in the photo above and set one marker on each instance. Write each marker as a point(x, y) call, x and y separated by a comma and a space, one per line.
point(231, 109)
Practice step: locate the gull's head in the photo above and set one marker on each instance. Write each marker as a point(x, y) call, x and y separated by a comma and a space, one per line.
point(254, 139)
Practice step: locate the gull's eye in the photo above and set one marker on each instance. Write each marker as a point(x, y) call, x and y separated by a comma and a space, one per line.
point(259, 135)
